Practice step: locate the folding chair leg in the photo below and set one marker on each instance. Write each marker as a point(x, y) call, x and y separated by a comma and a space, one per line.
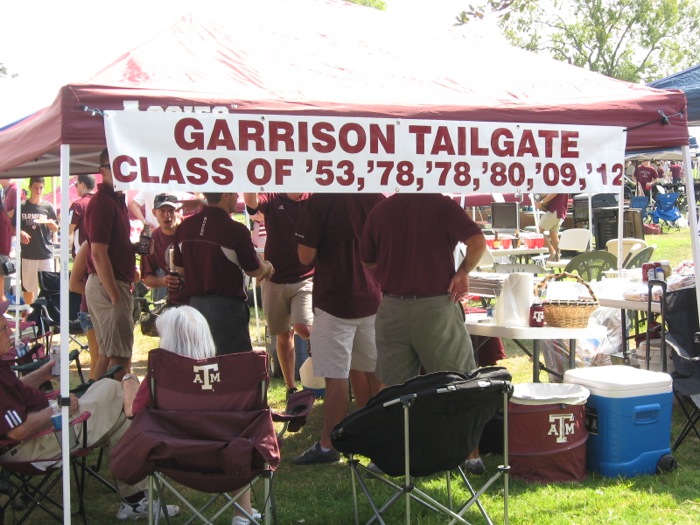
point(692, 415)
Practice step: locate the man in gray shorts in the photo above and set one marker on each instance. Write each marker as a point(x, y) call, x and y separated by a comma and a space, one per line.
point(409, 240)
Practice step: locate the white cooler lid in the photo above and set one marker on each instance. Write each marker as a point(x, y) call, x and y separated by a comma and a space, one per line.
point(620, 381)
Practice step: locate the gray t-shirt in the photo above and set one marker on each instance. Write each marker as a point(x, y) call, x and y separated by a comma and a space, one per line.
point(40, 246)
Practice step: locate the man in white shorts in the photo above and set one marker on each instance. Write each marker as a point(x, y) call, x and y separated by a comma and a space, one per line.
point(345, 299)
point(554, 206)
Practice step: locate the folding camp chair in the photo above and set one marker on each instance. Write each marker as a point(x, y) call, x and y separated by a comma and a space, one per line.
point(640, 202)
point(425, 426)
point(208, 427)
point(31, 482)
point(683, 337)
point(665, 211)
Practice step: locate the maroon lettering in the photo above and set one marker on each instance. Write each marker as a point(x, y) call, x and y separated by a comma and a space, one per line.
point(321, 132)
point(476, 149)
point(569, 143)
point(171, 171)
point(198, 171)
point(442, 142)
point(221, 136)
point(502, 142)
point(386, 138)
point(283, 168)
point(120, 165)
point(222, 174)
point(527, 145)
point(355, 131)
point(420, 133)
point(548, 135)
point(251, 131)
point(281, 133)
point(189, 139)
point(265, 171)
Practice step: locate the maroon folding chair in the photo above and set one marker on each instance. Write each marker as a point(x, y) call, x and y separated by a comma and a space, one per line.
point(208, 427)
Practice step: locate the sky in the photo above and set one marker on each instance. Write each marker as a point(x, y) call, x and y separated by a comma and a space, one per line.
point(72, 40)
point(49, 44)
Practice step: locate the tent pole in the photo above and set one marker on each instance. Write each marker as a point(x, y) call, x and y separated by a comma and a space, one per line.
point(692, 218)
point(620, 224)
point(65, 385)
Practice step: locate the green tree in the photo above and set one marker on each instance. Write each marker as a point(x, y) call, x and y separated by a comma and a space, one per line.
point(633, 40)
point(376, 4)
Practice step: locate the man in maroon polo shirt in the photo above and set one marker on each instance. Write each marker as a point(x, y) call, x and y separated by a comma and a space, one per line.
point(111, 267)
point(345, 300)
point(155, 267)
point(410, 240)
point(85, 186)
point(286, 298)
point(212, 252)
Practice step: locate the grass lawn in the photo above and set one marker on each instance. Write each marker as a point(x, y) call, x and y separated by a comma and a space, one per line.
point(321, 495)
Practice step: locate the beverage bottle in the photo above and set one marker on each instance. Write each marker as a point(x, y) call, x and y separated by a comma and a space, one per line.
point(144, 246)
point(496, 241)
point(666, 265)
point(516, 240)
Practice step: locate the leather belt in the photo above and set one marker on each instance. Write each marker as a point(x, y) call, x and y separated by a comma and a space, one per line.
point(411, 297)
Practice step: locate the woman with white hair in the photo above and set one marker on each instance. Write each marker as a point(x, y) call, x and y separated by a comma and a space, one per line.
point(185, 331)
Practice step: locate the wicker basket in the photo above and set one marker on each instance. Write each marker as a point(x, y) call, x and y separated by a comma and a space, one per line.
point(567, 314)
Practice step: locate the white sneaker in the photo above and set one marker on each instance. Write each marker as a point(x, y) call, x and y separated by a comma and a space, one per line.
point(137, 511)
point(242, 520)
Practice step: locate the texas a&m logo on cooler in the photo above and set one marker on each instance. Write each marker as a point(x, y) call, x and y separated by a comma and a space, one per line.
point(207, 375)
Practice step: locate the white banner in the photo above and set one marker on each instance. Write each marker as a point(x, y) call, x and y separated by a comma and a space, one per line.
point(270, 153)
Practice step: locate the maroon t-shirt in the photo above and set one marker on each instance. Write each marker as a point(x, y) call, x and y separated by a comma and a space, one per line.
point(559, 204)
point(645, 175)
point(77, 217)
point(10, 197)
point(332, 223)
point(5, 233)
point(159, 260)
point(676, 171)
point(281, 216)
point(107, 222)
point(411, 238)
point(214, 250)
point(17, 400)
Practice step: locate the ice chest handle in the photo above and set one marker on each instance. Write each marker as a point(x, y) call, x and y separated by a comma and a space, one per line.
point(647, 414)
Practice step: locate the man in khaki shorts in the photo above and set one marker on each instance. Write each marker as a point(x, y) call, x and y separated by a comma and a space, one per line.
point(286, 297)
point(111, 268)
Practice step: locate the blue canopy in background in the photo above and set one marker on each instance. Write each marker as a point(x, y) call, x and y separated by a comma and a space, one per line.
point(687, 81)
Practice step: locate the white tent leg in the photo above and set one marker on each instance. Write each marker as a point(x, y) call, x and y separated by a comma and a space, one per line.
point(65, 385)
point(620, 224)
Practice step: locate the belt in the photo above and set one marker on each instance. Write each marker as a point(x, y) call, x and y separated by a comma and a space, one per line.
point(411, 297)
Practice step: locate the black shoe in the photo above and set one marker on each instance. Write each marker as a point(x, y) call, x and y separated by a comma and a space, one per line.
point(474, 466)
point(314, 455)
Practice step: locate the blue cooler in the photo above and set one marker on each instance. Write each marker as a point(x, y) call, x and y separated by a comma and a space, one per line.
point(628, 417)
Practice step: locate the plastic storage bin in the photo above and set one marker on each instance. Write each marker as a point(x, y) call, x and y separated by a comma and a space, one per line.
point(546, 432)
point(628, 417)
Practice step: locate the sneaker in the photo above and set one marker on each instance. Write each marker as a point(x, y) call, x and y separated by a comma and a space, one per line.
point(242, 520)
point(137, 511)
point(315, 455)
point(291, 390)
point(474, 466)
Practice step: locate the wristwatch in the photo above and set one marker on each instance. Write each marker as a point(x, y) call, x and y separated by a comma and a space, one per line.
point(130, 376)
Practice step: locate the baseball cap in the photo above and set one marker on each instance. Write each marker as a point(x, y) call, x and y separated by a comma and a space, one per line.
point(165, 199)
